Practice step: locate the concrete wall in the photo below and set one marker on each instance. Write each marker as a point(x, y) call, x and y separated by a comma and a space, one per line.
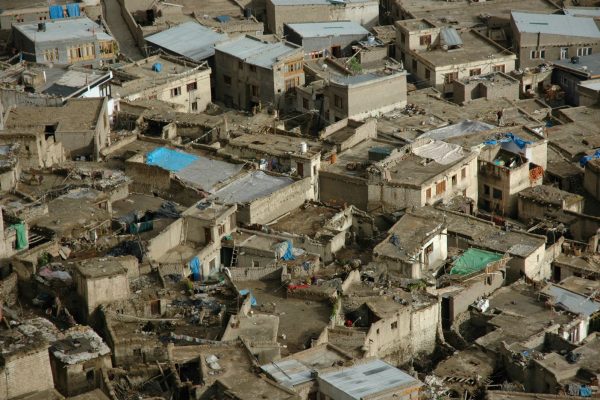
point(368, 99)
point(318, 44)
point(27, 373)
point(96, 291)
point(171, 236)
point(591, 179)
point(266, 209)
point(73, 379)
point(342, 189)
point(415, 332)
point(364, 13)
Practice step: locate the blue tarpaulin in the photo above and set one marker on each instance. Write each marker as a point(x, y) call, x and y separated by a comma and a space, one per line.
point(171, 160)
point(194, 265)
point(289, 254)
point(586, 159)
point(73, 10)
point(585, 391)
point(509, 137)
point(253, 301)
point(56, 12)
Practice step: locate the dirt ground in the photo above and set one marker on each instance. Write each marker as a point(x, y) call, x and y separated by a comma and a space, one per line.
point(299, 320)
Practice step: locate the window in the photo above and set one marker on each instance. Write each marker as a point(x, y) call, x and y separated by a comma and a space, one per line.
point(425, 40)
point(584, 51)
point(537, 54)
point(240, 65)
point(428, 193)
point(227, 79)
point(338, 101)
point(254, 90)
point(292, 83)
point(192, 86)
point(255, 264)
point(195, 106)
point(221, 229)
point(176, 91)
point(291, 67)
point(440, 188)
point(451, 77)
point(51, 55)
point(486, 190)
point(497, 194)
point(252, 68)
point(427, 74)
point(414, 65)
point(475, 72)
point(564, 53)
point(454, 180)
point(394, 325)
point(429, 249)
point(402, 38)
point(498, 68)
point(305, 104)
point(463, 173)
point(107, 48)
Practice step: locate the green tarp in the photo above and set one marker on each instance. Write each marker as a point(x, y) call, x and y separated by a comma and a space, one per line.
point(22, 241)
point(473, 260)
point(139, 227)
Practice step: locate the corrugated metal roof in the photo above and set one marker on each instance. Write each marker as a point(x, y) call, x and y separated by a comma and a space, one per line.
point(288, 372)
point(555, 24)
point(332, 28)
point(465, 127)
point(583, 11)
point(257, 52)
point(63, 29)
point(571, 301)
point(369, 378)
point(450, 36)
point(250, 187)
point(190, 39)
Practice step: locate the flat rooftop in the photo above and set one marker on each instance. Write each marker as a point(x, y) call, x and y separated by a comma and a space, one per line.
point(474, 48)
point(101, 267)
point(306, 220)
point(81, 28)
point(273, 144)
point(352, 162)
point(314, 2)
point(588, 66)
point(549, 195)
point(467, 14)
point(77, 115)
point(411, 232)
point(80, 345)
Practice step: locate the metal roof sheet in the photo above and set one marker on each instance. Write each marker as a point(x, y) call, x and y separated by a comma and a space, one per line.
point(369, 378)
point(63, 29)
point(571, 301)
point(555, 24)
point(325, 29)
point(450, 36)
point(465, 127)
point(250, 187)
point(256, 52)
point(288, 372)
point(189, 39)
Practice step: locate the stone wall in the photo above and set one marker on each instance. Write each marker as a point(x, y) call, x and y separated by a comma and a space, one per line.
point(29, 372)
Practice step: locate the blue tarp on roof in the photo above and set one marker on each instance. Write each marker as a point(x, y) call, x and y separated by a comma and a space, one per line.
point(509, 137)
point(73, 10)
point(253, 301)
point(586, 159)
point(56, 12)
point(223, 18)
point(171, 160)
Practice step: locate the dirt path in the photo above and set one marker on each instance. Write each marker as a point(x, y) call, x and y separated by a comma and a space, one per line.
point(118, 27)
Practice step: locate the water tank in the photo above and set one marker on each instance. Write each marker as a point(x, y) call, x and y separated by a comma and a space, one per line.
point(303, 147)
point(41, 27)
point(371, 39)
point(247, 12)
point(157, 67)
point(575, 59)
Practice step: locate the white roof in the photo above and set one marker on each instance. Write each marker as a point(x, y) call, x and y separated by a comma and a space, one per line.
point(555, 24)
point(366, 379)
point(190, 39)
point(64, 29)
point(257, 52)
